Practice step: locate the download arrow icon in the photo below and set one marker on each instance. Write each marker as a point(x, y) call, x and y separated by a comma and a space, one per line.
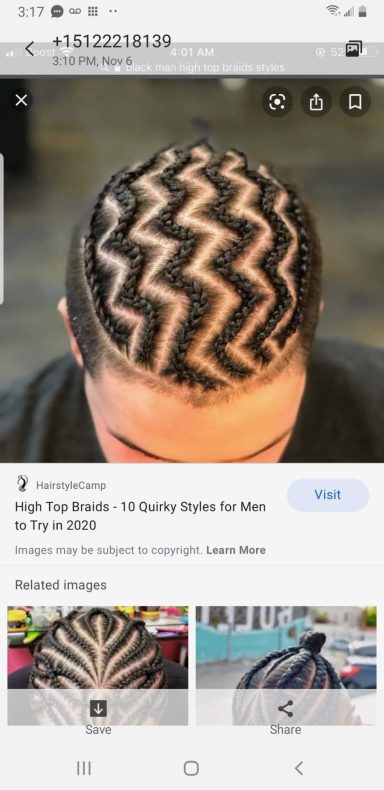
point(98, 707)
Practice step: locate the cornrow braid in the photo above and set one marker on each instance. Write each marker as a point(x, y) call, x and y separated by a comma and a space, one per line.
point(134, 256)
point(98, 649)
point(198, 297)
point(120, 188)
point(223, 264)
point(298, 214)
point(294, 667)
point(195, 270)
point(281, 241)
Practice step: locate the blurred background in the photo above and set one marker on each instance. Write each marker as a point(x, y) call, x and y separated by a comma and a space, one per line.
point(230, 639)
point(79, 131)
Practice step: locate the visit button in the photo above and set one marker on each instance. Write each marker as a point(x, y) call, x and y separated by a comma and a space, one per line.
point(328, 495)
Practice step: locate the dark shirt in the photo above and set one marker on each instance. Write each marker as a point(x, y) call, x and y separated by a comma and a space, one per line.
point(45, 417)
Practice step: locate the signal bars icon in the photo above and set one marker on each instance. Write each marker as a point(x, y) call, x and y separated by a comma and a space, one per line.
point(350, 12)
point(14, 53)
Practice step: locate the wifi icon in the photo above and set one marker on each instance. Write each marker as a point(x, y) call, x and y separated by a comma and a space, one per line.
point(334, 10)
point(66, 50)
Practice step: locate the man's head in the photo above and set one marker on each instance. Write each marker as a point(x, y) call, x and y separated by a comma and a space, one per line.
point(97, 649)
point(192, 301)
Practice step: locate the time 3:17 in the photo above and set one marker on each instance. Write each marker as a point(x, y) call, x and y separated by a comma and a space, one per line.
point(30, 12)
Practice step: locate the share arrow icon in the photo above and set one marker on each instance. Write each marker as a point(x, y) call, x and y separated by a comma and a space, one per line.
point(283, 708)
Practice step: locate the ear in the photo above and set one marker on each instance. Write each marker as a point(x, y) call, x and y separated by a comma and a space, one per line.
point(75, 351)
point(321, 307)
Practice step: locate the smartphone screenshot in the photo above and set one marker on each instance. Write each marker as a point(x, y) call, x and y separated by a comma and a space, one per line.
point(191, 394)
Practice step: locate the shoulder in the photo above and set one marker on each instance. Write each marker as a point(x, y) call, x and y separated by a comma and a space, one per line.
point(19, 679)
point(348, 374)
point(353, 364)
point(38, 388)
point(52, 379)
point(341, 416)
point(34, 410)
point(177, 675)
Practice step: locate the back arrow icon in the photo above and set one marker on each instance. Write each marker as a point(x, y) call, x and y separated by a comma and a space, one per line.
point(297, 768)
point(28, 50)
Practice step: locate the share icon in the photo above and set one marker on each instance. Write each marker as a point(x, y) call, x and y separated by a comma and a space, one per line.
point(283, 708)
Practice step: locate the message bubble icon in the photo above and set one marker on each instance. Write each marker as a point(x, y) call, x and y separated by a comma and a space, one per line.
point(57, 11)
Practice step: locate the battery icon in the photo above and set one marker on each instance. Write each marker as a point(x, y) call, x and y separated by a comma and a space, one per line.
point(370, 52)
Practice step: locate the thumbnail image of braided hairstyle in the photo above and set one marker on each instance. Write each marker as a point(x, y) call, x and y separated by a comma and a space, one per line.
point(195, 270)
point(296, 668)
point(98, 649)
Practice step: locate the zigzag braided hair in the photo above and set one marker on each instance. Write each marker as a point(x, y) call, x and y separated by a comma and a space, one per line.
point(98, 648)
point(197, 270)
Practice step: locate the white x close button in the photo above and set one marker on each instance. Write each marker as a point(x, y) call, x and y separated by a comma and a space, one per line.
point(21, 100)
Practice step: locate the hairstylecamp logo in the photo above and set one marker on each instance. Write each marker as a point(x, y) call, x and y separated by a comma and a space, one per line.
point(22, 482)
